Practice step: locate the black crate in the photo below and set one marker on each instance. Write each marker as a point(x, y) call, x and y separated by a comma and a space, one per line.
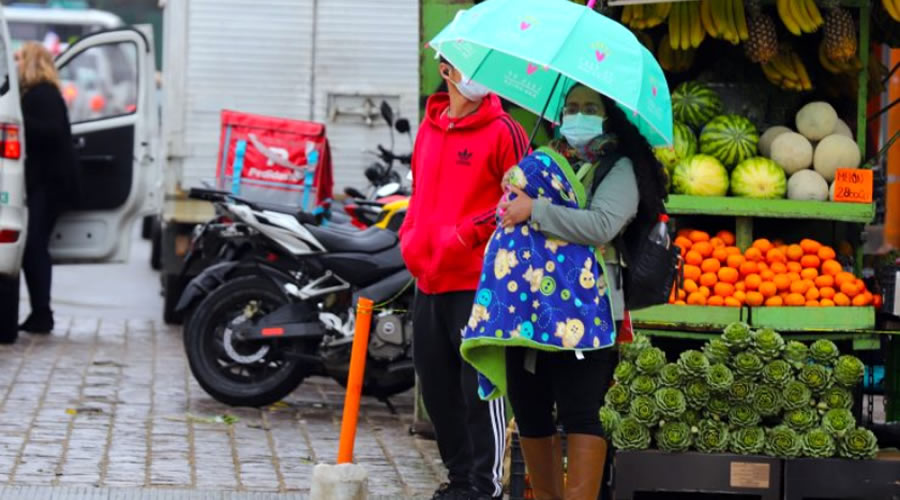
point(702, 474)
point(832, 478)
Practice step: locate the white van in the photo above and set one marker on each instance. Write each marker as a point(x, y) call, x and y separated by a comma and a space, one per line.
point(116, 134)
point(55, 25)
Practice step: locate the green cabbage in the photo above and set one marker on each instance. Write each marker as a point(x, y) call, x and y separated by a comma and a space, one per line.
point(859, 444)
point(796, 354)
point(747, 364)
point(643, 409)
point(625, 371)
point(818, 443)
point(783, 442)
point(643, 385)
point(838, 422)
point(742, 390)
point(618, 397)
point(631, 435)
point(816, 377)
point(691, 417)
point(693, 363)
point(670, 402)
point(718, 406)
point(823, 351)
point(609, 419)
point(849, 371)
point(697, 394)
point(712, 436)
point(674, 437)
point(719, 378)
point(743, 415)
point(650, 361)
point(777, 373)
point(796, 395)
point(670, 376)
point(767, 344)
point(717, 351)
point(631, 349)
point(801, 420)
point(737, 336)
point(767, 400)
point(837, 397)
point(748, 441)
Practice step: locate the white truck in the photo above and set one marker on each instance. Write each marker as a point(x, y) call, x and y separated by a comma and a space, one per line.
point(329, 61)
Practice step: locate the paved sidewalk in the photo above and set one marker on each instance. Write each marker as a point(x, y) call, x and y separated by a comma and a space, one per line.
point(113, 404)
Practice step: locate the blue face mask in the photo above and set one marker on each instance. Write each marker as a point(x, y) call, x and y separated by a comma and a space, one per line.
point(579, 129)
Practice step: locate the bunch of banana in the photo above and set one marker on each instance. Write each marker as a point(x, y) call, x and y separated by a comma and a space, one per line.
point(646, 16)
point(724, 19)
point(674, 61)
point(893, 8)
point(800, 16)
point(850, 66)
point(787, 71)
point(685, 27)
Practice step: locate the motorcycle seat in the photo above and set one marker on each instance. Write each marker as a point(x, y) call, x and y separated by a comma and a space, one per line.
point(336, 239)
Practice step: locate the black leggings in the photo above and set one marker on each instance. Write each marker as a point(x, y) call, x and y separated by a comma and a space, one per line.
point(43, 211)
point(576, 386)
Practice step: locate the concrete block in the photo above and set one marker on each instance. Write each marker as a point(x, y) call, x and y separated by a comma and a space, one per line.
point(339, 482)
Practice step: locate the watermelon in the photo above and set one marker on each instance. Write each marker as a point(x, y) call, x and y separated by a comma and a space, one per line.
point(695, 104)
point(700, 175)
point(685, 146)
point(758, 177)
point(729, 138)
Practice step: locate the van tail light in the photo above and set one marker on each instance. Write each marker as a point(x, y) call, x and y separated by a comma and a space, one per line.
point(9, 236)
point(10, 142)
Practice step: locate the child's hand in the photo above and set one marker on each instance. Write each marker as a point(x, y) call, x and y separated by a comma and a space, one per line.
point(516, 211)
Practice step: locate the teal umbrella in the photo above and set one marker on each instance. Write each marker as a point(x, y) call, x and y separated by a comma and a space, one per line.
point(531, 52)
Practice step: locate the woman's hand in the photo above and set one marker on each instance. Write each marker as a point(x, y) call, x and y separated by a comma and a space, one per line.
point(518, 210)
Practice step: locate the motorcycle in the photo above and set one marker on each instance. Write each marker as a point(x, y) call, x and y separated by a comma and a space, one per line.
point(284, 310)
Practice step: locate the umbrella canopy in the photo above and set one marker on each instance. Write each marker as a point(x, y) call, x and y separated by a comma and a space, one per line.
point(531, 52)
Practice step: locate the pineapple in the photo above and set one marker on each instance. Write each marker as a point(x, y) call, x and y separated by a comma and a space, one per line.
point(840, 34)
point(762, 45)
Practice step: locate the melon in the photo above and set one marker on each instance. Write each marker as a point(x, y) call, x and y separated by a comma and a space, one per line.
point(816, 120)
point(807, 185)
point(834, 152)
point(765, 140)
point(685, 146)
point(841, 128)
point(695, 104)
point(792, 152)
point(729, 138)
point(700, 175)
point(831, 192)
point(760, 178)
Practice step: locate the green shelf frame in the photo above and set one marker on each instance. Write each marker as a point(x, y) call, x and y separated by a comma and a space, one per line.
point(813, 319)
point(693, 317)
point(861, 213)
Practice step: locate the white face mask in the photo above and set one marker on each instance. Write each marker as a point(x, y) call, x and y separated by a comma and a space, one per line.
point(580, 129)
point(471, 90)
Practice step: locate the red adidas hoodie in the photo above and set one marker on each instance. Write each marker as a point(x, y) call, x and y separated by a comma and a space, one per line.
point(457, 165)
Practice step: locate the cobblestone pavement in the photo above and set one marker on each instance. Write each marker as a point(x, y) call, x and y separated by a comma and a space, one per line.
point(113, 404)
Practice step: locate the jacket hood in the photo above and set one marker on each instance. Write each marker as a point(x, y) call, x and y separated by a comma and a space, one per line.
point(489, 110)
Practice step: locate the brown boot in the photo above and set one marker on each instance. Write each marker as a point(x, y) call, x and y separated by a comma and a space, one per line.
point(543, 460)
point(587, 458)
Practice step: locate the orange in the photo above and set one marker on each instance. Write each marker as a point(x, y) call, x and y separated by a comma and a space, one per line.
point(690, 286)
point(724, 289)
point(716, 301)
point(810, 261)
point(860, 300)
point(767, 275)
point(767, 289)
point(794, 267)
point(735, 261)
point(826, 253)
point(704, 248)
point(799, 287)
point(704, 291)
point(720, 254)
point(732, 302)
point(775, 255)
point(824, 281)
point(782, 282)
point(692, 272)
point(841, 300)
point(860, 285)
point(781, 246)
point(810, 273)
point(696, 299)
point(693, 258)
point(682, 294)
point(794, 253)
point(683, 243)
point(832, 267)
point(680, 303)
point(784, 296)
point(717, 242)
point(726, 236)
point(795, 299)
point(868, 299)
point(733, 250)
point(740, 286)
point(684, 232)
point(753, 281)
point(810, 247)
point(753, 254)
point(793, 276)
point(696, 236)
point(749, 267)
point(844, 277)
point(755, 299)
point(812, 303)
point(710, 266)
point(877, 301)
point(774, 302)
point(728, 275)
point(763, 245)
point(740, 296)
point(826, 292)
point(762, 266)
point(778, 267)
point(812, 294)
point(826, 303)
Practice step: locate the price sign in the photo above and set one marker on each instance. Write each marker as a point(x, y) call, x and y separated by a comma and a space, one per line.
point(853, 185)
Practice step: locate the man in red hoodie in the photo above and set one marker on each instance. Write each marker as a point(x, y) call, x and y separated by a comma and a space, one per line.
point(463, 148)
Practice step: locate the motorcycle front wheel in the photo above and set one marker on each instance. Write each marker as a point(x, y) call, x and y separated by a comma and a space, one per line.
point(234, 372)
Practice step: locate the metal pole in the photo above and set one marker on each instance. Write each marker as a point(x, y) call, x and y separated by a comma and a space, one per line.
point(544, 111)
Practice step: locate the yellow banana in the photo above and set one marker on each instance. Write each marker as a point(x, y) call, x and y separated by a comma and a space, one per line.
point(771, 74)
point(674, 33)
point(741, 17)
point(665, 54)
point(639, 13)
point(892, 9)
point(720, 18)
point(827, 63)
point(734, 35)
point(696, 25)
point(800, 68)
point(665, 9)
point(685, 26)
point(706, 18)
point(627, 14)
point(782, 64)
point(814, 14)
point(798, 12)
point(784, 12)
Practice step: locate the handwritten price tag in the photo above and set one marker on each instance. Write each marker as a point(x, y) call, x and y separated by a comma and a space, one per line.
point(853, 185)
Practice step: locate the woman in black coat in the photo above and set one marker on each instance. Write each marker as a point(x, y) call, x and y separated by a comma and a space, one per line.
point(50, 173)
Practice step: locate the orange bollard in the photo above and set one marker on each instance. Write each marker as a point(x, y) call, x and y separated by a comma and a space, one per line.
point(355, 380)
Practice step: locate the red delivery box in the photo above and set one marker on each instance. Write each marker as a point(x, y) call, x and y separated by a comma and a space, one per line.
point(274, 160)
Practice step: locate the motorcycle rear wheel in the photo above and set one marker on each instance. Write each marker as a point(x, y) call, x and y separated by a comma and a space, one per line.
point(233, 372)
